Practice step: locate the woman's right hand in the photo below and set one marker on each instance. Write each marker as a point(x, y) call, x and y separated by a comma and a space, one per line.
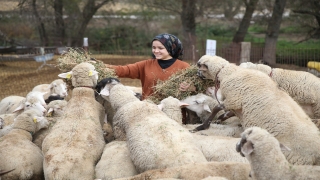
point(109, 66)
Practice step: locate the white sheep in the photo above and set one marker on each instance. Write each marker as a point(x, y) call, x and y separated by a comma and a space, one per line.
point(266, 159)
point(172, 107)
point(302, 86)
point(195, 171)
point(56, 87)
point(218, 148)
point(115, 162)
point(231, 129)
point(255, 98)
point(214, 148)
point(154, 140)
point(17, 104)
point(17, 150)
point(55, 111)
point(109, 111)
point(201, 104)
point(75, 143)
point(31, 102)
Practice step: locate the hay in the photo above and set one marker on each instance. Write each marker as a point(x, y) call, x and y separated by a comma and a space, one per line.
point(70, 59)
point(170, 87)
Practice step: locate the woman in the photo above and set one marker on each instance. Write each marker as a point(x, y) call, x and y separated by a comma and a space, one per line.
point(166, 50)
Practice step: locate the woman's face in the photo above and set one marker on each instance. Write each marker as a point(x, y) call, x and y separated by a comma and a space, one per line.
point(159, 51)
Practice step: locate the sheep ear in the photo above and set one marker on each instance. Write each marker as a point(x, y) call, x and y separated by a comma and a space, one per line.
point(49, 113)
point(284, 148)
point(92, 73)
point(182, 104)
point(20, 107)
point(66, 75)
point(247, 148)
point(160, 106)
point(105, 92)
point(207, 108)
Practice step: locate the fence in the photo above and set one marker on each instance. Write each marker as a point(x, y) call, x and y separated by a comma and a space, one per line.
point(18, 73)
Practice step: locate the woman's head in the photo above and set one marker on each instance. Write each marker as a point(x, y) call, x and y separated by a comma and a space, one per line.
point(170, 42)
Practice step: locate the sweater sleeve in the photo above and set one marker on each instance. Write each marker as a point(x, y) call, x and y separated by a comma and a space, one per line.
point(133, 71)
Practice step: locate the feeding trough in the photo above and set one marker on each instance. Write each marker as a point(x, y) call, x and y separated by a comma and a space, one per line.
point(44, 58)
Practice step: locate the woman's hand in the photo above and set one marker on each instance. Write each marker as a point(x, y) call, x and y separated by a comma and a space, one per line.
point(109, 66)
point(185, 86)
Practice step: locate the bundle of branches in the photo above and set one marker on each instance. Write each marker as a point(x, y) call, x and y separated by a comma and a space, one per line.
point(170, 87)
point(70, 59)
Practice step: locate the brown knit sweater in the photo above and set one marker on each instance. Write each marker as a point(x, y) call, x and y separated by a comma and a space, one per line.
point(149, 72)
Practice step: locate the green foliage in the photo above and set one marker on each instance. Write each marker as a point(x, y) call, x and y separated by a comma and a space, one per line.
point(215, 30)
point(257, 29)
point(119, 37)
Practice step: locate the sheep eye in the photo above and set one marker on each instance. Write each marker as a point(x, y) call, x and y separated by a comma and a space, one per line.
point(196, 102)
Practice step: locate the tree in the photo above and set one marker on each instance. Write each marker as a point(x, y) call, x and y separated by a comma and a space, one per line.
point(78, 13)
point(39, 21)
point(245, 22)
point(269, 52)
point(189, 26)
point(310, 8)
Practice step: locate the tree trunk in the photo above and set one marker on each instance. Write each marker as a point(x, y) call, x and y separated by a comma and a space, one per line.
point(269, 53)
point(42, 31)
point(245, 22)
point(89, 10)
point(60, 28)
point(189, 29)
point(231, 8)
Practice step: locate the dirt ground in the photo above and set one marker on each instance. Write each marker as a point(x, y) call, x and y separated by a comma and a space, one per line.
point(19, 77)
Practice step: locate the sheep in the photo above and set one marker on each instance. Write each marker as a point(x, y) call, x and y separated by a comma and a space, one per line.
point(207, 103)
point(218, 148)
point(56, 87)
point(263, 152)
point(115, 162)
point(214, 148)
point(17, 150)
point(10, 103)
point(254, 97)
point(154, 140)
point(55, 111)
point(16, 104)
point(30, 102)
point(172, 108)
point(233, 129)
point(229, 170)
point(75, 143)
point(109, 111)
point(302, 86)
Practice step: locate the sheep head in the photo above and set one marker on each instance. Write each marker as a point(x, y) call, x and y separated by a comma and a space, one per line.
point(31, 120)
point(105, 85)
point(209, 66)
point(58, 87)
point(260, 139)
point(82, 75)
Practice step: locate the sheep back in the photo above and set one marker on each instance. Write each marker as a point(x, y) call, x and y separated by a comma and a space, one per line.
point(76, 142)
point(155, 140)
point(229, 170)
point(115, 162)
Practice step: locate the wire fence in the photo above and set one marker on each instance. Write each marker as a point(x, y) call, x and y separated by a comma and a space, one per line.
point(19, 73)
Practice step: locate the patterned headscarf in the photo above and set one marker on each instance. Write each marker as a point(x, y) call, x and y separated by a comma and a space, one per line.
point(172, 44)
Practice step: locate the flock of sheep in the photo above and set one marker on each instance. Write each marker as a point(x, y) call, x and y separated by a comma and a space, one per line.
point(104, 131)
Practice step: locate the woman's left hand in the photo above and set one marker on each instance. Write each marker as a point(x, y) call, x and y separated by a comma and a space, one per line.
point(184, 86)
